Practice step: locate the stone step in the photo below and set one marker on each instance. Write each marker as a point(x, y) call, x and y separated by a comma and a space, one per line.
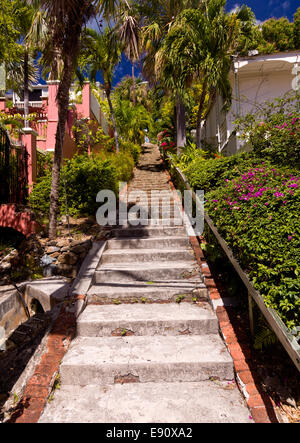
point(153, 292)
point(182, 358)
point(145, 183)
point(117, 256)
point(154, 222)
point(151, 195)
point(154, 206)
point(153, 212)
point(149, 243)
point(147, 271)
point(141, 320)
point(196, 402)
point(147, 232)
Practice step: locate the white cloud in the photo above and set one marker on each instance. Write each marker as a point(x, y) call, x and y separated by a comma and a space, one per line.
point(234, 9)
point(286, 5)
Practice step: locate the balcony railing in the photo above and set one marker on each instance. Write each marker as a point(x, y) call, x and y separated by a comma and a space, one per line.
point(31, 104)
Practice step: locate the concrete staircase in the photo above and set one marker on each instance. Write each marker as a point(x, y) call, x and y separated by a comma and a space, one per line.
point(148, 347)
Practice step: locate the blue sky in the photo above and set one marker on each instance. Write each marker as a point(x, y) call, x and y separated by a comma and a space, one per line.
point(264, 9)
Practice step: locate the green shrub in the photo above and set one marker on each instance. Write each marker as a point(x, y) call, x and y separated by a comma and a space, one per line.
point(125, 146)
point(124, 164)
point(132, 148)
point(81, 179)
point(211, 173)
point(85, 177)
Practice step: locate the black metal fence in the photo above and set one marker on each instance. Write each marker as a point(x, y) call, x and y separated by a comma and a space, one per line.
point(13, 171)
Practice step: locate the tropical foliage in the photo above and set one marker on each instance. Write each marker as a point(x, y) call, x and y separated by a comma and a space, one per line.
point(254, 199)
point(274, 35)
point(82, 178)
point(102, 52)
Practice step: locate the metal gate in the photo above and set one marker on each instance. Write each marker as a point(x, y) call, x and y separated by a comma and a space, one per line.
point(13, 171)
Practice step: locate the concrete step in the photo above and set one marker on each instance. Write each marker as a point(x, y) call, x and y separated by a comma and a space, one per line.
point(149, 243)
point(198, 402)
point(147, 232)
point(152, 209)
point(154, 222)
point(153, 292)
point(149, 196)
point(182, 358)
point(141, 320)
point(117, 256)
point(149, 212)
point(133, 197)
point(147, 271)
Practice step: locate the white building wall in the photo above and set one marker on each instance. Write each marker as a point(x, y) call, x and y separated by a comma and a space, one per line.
point(257, 80)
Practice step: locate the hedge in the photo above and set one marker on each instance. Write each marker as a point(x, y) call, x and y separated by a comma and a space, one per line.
point(255, 206)
point(81, 179)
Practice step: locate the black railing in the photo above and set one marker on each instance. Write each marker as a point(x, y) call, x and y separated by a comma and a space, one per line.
point(13, 171)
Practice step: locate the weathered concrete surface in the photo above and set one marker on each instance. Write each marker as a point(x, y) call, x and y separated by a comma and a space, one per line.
point(156, 319)
point(155, 359)
point(49, 291)
point(84, 279)
point(202, 402)
point(167, 242)
point(146, 255)
point(12, 312)
point(147, 271)
point(158, 290)
point(147, 232)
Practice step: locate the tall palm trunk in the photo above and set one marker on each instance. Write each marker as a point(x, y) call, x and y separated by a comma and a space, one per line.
point(133, 86)
point(180, 123)
point(63, 106)
point(116, 134)
point(200, 113)
point(26, 89)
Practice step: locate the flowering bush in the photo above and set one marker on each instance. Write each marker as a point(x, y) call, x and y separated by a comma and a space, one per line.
point(166, 143)
point(257, 214)
point(274, 131)
point(211, 173)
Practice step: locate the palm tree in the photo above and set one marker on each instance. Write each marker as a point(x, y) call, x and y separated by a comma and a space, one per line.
point(123, 90)
point(25, 24)
point(159, 17)
point(200, 45)
point(101, 53)
point(129, 31)
point(66, 19)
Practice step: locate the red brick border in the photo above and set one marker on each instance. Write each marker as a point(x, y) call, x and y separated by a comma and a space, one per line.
point(260, 404)
point(40, 384)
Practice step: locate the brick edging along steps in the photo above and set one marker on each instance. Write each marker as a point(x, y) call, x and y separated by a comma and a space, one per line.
point(40, 385)
point(262, 407)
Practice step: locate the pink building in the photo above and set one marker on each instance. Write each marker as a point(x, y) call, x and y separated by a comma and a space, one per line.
point(42, 101)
